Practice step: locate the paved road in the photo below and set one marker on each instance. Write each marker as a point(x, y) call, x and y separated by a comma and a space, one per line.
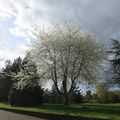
point(4, 115)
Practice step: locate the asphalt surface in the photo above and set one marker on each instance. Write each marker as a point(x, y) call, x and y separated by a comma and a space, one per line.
point(5, 115)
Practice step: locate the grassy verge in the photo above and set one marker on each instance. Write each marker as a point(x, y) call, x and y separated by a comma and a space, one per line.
point(108, 111)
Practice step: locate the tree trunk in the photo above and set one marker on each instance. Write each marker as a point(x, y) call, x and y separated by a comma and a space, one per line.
point(66, 100)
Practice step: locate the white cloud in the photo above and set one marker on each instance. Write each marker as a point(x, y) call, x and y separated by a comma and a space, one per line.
point(97, 15)
point(7, 54)
point(100, 16)
point(6, 9)
point(10, 54)
point(25, 14)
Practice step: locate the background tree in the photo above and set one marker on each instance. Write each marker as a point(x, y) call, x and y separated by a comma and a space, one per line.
point(66, 54)
point(114, 56)
point(26, 90)
point(114, 96)
point(6, 79)
point(52, 96)
point(88, 96)
point(76, 95)
point(102, 92)
point(28, 76)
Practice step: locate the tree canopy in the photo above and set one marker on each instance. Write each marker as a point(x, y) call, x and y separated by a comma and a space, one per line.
point(66, 54)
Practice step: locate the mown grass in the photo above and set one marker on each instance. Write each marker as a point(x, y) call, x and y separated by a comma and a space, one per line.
point(108, 111)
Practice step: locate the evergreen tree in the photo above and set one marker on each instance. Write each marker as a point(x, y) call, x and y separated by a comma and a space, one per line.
point(115, 61)
point(6, 78)
point(26, 90)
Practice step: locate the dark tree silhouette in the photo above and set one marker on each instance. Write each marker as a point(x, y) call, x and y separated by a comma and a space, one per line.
point(6, 79)
point(114, 54)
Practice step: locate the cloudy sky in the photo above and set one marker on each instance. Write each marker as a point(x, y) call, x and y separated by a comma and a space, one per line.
point(101, 17)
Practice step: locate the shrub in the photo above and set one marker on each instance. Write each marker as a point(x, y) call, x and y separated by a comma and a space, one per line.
point(29, 96)
point(114, 96)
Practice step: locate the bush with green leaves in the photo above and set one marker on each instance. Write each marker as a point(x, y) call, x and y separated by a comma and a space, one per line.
point(26, 97)
point(102, 93)
point(114, 96)
point(88, 97)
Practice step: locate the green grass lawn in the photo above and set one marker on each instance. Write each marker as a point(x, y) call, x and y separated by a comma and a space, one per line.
point(111, 111)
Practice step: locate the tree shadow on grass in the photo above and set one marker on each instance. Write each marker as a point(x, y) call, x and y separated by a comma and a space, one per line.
point(83, 109)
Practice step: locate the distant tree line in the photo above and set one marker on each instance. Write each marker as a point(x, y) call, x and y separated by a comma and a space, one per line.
point(17, 92)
